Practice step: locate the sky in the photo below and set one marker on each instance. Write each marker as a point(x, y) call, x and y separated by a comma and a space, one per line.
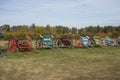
point(71, 13)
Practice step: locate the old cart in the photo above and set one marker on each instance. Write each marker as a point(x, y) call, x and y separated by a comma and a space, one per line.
point(109, 41)
point(64, 41)
point(22, 44)
point(97, 41)
point(45, 41)
point(86, 42)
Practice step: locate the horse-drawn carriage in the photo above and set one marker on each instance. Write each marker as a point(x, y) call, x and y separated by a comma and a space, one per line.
point(22, 44)
point(86, 41)
point(45, 41)
point(64, 41)
point(109, 42)
point(97, 41)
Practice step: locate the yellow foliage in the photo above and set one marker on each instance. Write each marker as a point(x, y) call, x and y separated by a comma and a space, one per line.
point(38, 31)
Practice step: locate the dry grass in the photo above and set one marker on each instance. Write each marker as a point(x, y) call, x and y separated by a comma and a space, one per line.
point(3, 43)
point(70, 64)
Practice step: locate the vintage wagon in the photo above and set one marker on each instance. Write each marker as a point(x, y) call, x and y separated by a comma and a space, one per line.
point(22, 44)
point(86, 42)
point(45, 41)
point(97, 41)
point(109, 41)
point(64, 41)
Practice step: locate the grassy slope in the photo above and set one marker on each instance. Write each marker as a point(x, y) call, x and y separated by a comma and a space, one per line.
point(71, 64)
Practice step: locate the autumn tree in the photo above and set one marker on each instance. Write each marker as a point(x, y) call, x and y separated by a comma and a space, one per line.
point(38, 32)
point(74, 30)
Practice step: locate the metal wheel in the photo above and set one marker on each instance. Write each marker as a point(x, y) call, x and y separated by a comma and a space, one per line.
point(12, 45)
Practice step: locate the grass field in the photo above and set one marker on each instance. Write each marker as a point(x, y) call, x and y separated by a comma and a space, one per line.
point(66, 64)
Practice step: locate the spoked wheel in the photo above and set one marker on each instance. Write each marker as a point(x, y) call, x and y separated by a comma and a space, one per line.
point(67, 43)
point(12, 45)
point(24, 45)
point(38, 44)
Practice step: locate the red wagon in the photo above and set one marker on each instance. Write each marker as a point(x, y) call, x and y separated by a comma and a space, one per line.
point(65, 41)
point(23, 45)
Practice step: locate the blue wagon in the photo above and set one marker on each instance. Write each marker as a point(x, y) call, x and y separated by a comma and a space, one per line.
point(45, 41)
point(85, 41)
point(109, 41)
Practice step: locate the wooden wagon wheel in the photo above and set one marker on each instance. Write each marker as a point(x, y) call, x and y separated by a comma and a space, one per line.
point(12, 45)
point(71, 43)
point(67, 42)
point(39, 44)
point(59, 43)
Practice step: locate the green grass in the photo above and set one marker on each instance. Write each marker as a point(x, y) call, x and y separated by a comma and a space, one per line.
point(67, 64)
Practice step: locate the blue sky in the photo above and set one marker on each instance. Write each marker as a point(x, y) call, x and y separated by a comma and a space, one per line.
point(72, 13)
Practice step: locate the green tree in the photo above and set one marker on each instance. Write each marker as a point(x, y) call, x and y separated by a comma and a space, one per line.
point(38, 31)
point(47, 29)
point(59, 29)
point(74, 30)
point(65, 30)
point(5, 27)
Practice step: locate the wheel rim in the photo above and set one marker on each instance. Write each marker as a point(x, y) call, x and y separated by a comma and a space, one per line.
point(12, 45)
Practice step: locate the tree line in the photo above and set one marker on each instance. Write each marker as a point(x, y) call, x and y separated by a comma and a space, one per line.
point(35, 31)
